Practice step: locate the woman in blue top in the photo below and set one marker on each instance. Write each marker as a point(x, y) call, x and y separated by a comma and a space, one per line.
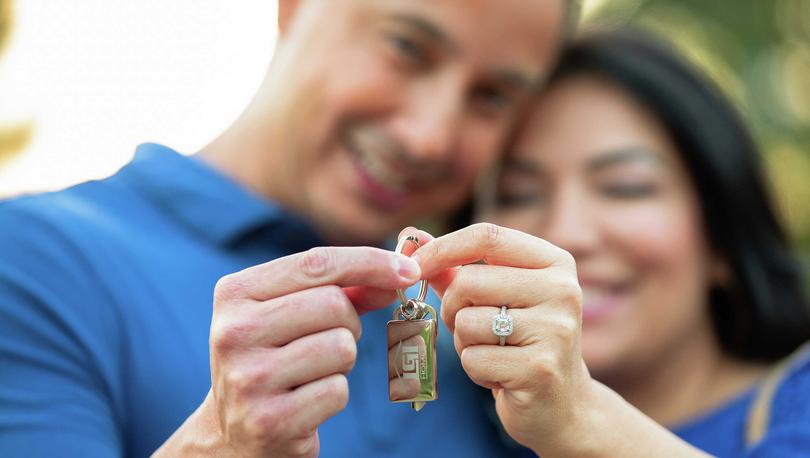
point(632, 162)
point(637, 166)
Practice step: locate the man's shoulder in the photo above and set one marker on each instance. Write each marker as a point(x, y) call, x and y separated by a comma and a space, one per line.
point(49, 274)
point(82, 202)
point(61, 229)
point(82, 211)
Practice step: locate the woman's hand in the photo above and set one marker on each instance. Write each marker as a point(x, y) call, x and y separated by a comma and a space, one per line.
point(539, 380)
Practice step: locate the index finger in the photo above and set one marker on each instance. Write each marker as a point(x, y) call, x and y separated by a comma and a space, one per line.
point(341, 266)
point(491, 244)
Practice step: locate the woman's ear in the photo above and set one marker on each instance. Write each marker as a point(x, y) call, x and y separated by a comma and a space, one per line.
point(484, 194)
point(286, 14)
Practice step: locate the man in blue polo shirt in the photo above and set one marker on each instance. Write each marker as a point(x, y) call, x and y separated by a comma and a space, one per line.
point(373, 113)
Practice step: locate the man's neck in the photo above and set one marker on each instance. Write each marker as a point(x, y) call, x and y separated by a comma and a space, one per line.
point(248, 160)
point(244, 157)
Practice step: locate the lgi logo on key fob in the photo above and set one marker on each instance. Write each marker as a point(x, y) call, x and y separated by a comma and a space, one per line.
point(412, 347)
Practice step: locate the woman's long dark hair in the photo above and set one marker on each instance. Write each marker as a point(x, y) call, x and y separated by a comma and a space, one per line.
point(761, 313)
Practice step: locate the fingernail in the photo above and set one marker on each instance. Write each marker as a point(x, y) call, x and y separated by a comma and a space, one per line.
point(407, 268)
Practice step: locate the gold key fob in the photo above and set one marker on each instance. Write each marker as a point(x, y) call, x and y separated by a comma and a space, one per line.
point(412, 335)
point(412, 356)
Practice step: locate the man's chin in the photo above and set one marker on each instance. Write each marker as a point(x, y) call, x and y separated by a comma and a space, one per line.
point(360, 229)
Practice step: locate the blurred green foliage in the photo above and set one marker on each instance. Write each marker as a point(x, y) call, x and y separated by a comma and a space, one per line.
point(758, 51)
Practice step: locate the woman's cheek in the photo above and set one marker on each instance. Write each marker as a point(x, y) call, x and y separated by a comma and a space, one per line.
point(656, 236)
point(665, 250)
point(521, 220)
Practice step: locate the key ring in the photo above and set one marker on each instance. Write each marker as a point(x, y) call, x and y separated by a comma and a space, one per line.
point(408, 307)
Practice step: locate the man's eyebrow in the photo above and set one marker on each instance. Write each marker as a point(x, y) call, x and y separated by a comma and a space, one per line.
point(622, 156)
point(427, 28)
point(516, 79)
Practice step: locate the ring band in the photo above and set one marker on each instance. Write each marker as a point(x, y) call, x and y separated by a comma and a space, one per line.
point(503, 325)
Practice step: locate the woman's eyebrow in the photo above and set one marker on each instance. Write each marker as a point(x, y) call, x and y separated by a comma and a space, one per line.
point(521, 166)
point(622, 156)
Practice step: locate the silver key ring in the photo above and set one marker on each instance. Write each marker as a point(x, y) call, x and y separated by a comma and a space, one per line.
point(423, 285)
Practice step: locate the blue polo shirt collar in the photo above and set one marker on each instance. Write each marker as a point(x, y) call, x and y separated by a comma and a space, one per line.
point(206, 200)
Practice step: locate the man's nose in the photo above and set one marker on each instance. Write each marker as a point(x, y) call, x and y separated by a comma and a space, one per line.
point(572, 224)
point(429, 124)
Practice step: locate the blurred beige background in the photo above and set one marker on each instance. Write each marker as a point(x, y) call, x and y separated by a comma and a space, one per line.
point(82, 83)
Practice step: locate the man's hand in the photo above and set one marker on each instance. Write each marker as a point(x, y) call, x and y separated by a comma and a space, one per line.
point(283, 336)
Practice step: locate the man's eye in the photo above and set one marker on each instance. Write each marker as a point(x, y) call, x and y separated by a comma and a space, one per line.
point(408, 48)
point(492, 99)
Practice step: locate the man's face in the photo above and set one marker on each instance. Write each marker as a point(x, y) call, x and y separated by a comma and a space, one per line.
point(387, 110)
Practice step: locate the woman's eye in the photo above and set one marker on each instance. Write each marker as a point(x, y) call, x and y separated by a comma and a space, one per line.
point(629, 191)
point(516, 200)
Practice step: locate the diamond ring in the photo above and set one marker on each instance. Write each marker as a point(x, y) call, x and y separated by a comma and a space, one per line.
point(502, 326)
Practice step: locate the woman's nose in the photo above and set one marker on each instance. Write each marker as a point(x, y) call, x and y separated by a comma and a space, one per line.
point(572, 223)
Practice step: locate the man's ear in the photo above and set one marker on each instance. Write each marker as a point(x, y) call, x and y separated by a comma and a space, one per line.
point(286, 14)
point(720, 273)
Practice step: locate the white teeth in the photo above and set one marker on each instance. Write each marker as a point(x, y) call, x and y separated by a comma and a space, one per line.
point(381, 173)
point(591, 294)
point(594, 292)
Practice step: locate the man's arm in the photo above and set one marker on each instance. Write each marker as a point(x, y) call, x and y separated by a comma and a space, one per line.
point(52, 400)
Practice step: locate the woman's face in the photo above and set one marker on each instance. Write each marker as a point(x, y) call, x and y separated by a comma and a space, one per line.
point(595, 173)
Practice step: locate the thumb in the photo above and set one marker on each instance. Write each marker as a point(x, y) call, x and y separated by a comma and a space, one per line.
point(367, 299)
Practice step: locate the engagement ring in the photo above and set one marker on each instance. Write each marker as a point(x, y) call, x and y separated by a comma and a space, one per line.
point(502, 326)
